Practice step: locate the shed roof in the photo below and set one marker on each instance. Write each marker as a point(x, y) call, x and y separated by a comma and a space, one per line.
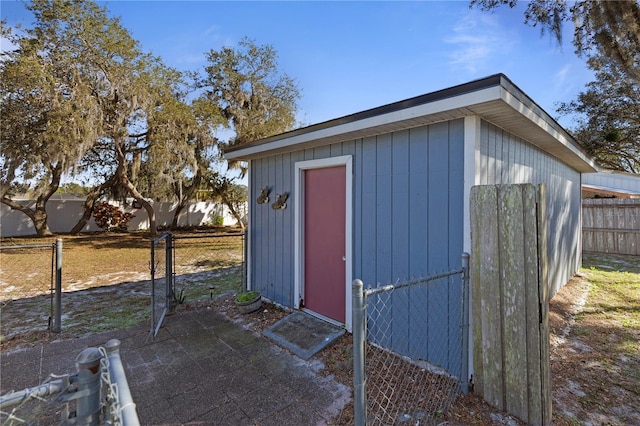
point(494, 98)
point(612, 182)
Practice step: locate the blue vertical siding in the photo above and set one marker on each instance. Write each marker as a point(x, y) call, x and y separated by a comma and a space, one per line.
point(384, 209)
point(506, 159)
point(437, 241)
point(366, 219)
point(456, 217)
point(407, 223)
point(399, 227)
point(418, 244)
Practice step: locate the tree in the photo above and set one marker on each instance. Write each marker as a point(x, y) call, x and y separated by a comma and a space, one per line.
point(130, 87)
point(180, 172)
point(607, 35)
point(48, 118)
point(253, 96)
point(231, 194)
point(608, 29)
point(80, 92)
point(608, 123)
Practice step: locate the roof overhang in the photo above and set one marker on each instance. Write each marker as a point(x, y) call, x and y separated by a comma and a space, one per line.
point(608, 190)
point(612, 182)
point(495, 99)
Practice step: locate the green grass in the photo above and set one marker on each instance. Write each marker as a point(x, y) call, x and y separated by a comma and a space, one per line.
point(124, 314)
point(614, 300)
point(229, 279)
point(609, 324)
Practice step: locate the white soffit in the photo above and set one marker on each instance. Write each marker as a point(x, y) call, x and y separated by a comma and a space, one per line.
point(504, 105)
point(442, 110)
point(610, 190)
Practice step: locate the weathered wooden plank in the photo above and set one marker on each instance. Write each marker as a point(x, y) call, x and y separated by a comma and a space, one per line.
point(511, 255)
point(611, 225)
point(510, 300)
point(543, 288)
point(487, 334)
point(532, 304)
point(599, 237)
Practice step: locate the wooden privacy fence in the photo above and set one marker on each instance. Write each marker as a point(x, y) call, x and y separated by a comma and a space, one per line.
point(510, 303)
point(611, 225)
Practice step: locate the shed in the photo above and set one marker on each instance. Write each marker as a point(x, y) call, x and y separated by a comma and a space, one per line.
point(610, 183)
point(383, 194)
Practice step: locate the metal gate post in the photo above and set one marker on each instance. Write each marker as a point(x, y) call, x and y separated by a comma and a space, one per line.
point(359, 337)
point(170, 299)
point(88, 395)
point(57, 314)
point(152, 268)
point(118, 376)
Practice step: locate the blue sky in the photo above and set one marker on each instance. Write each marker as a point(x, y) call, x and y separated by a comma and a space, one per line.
point(351, 56)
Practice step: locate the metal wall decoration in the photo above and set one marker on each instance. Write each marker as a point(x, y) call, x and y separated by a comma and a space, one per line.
point(280, 203)
point(264, 195)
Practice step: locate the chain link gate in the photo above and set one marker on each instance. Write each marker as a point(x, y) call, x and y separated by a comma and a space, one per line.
point(193, 266)
point(36, 288)
point(162, 280)
point(203, 263)
point(410, 348)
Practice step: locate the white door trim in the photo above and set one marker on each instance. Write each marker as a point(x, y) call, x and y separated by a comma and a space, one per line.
point(300, 167)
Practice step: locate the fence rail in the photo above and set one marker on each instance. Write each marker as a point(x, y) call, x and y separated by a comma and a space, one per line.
point(98, 393)
point(611, 225)
point(40, 287)
point(410, 344)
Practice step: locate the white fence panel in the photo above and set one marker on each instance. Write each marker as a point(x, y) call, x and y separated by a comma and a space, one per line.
point(64, 214)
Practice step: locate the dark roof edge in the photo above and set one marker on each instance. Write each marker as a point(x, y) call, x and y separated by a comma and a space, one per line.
point(461, 89)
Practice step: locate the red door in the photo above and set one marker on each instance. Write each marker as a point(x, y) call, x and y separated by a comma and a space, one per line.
point(324, 241)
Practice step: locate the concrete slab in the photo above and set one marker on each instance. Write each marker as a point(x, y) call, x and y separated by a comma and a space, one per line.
point(303, 334)
point(202, 369)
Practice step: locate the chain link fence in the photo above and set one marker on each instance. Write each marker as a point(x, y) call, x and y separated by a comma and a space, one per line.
point(410, 349)
point(98, 393)
point(208, 264)
point(193, 268)
point(112, 272)
point(32, 296)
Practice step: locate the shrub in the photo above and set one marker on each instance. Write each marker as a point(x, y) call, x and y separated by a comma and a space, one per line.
point(247, 296)
point(218, 220)
point(110, 217)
